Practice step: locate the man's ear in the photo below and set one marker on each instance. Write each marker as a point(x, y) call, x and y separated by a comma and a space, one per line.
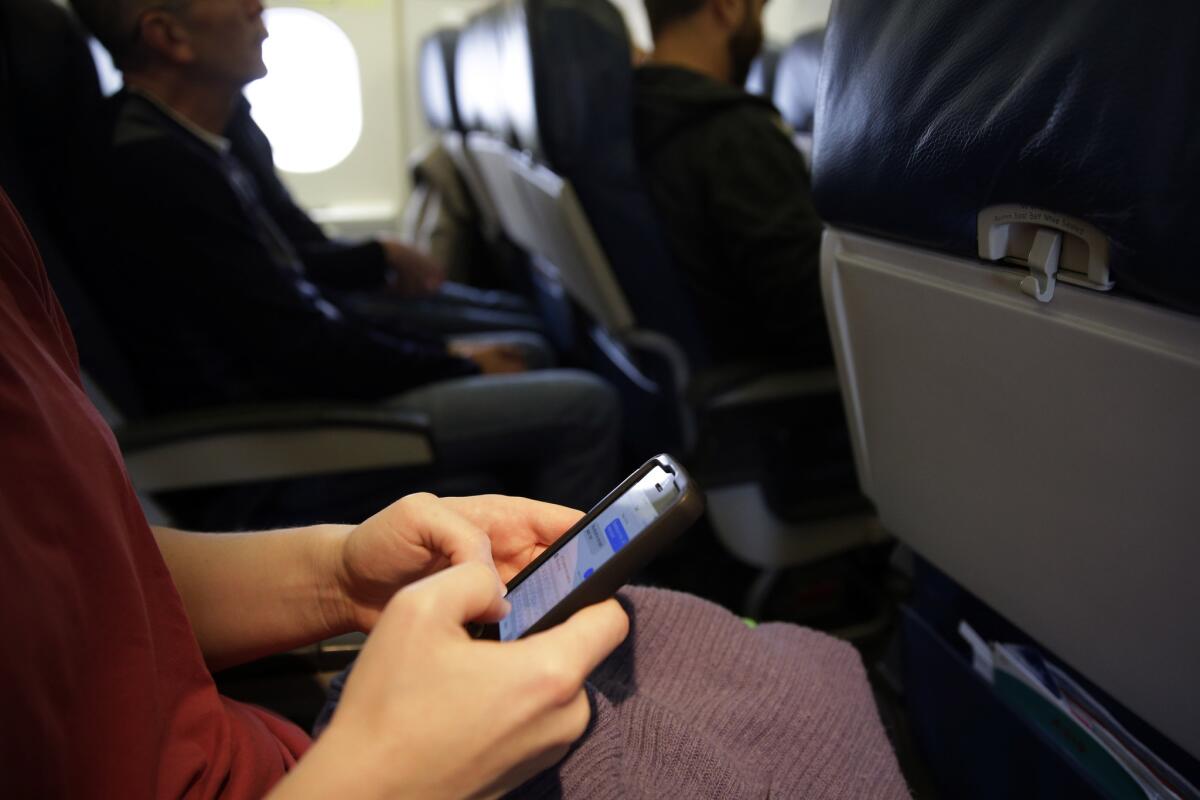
point(162, 35)
point(729, 13)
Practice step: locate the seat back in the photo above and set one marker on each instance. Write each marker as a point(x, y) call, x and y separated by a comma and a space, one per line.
point(989, 170)
point(50, 97)
point(439, 103)
point(761, 80)
point(435, 79)
point(795, 88)
point(546, 86)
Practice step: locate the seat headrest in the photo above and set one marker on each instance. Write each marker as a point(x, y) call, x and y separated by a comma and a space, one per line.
point(761, 80)
point(583, 69)
point(50, 66)
point(477, 77)
point(554, 78)
point(536, 73)
point(435, 76)
point(932, 111)
point(51, 87)
point(494, 76)
point(47, 158)
point(796, 76)
point(584, 78)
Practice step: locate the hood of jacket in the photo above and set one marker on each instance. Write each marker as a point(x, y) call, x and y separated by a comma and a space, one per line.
point(670, 100)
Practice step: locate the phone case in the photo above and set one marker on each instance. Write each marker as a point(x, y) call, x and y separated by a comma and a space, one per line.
point(610, 577)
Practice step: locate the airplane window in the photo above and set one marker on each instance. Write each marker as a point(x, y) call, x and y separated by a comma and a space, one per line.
point(310, 108)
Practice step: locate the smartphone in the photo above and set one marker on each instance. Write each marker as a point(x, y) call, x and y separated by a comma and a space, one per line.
point(597, 556)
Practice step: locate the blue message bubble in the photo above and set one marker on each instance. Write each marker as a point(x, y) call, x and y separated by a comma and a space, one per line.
point(617, 537)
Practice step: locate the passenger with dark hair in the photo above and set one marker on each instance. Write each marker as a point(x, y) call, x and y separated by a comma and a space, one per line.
point(729, 186)
point(215, 302)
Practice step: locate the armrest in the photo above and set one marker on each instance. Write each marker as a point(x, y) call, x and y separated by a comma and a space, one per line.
point(235, 445)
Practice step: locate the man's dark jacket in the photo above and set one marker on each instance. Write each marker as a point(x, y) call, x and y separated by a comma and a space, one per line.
point(733, 195)
point(210, 297)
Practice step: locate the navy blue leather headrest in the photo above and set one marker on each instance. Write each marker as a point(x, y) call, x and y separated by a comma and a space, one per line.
point(435, 76)
point(495, 78)
point(796, 75)
point(583, 68)
point(931, 111)
point(761, 80)
point(478, 78)
point(49, 98)
point(583, 74)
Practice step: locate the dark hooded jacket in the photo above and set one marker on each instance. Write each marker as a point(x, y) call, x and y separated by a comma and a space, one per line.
point(734, 197)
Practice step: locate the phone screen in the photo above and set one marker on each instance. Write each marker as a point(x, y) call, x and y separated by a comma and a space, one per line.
point(588, 550)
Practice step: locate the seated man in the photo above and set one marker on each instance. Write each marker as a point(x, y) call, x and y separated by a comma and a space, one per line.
point(729, 186)
point(208, 283)
point(115, 628)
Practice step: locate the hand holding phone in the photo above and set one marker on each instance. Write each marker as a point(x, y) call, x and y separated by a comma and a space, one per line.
point(429, 713)
point(599, 554)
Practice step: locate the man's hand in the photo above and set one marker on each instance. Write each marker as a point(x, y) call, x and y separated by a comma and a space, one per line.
point(491, 358)
point(430, 713)
point(422, 534)
point(414, 274)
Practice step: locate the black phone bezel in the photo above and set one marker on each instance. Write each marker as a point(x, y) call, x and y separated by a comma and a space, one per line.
point(614, 573)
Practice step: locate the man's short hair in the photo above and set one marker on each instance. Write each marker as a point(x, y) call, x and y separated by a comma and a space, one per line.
point(114, 23)
point(663, 13)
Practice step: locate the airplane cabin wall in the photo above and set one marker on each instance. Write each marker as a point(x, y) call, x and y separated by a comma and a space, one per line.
point(363, 193)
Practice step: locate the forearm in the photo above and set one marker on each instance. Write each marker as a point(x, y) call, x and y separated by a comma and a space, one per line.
point(331, 769)
point(252, 595)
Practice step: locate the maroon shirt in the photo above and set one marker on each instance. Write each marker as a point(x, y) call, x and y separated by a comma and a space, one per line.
point(106, 693)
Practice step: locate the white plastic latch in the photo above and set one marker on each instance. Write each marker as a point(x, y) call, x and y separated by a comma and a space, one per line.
point(1054, 247)
point(1043, 266)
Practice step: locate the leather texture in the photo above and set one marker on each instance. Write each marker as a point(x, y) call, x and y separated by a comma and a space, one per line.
point(554, 80)
point(761, 80)
point(931, 110)
point(797, 73)
point(435, 77)
point(583, 71)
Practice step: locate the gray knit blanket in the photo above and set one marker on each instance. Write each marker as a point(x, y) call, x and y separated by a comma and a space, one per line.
point(697, 705)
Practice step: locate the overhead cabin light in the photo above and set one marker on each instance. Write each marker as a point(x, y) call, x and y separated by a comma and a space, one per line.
point(309, 107)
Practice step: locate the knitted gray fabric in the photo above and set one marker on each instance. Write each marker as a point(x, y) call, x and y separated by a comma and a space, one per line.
point(697, 705)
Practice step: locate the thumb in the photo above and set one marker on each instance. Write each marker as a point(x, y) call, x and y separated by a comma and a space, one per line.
point(584, 640)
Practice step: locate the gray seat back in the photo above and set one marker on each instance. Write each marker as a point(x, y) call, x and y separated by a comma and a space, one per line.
point(1032, 436)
